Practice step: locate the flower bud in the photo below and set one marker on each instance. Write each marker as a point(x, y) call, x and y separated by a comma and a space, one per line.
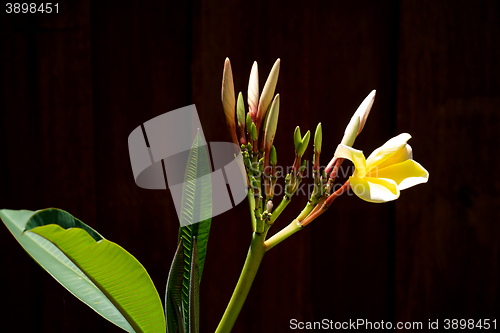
point(240, 115)
point(351, 131)
point(253, 91)
point(355, 125)
point(364, 109)
point(303, 145)
point(268, 92)
point(240, 111)
point(272, 123)
point(318, 137)
point(269, 207)
point(273, 158)
point(228, 100)
point(254, 132)
point(249, 123)
point(358, 120)
point(262, 143)
point(297, 138)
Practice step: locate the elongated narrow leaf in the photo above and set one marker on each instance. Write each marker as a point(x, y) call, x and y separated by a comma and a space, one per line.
point(194, 291)
point(100, 273)
point(180, 314)
point(196, 206)
point(173, 297)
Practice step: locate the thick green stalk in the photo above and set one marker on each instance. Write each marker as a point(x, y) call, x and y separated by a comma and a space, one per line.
point(254, 258)
point(251, 203)
point(283, 234)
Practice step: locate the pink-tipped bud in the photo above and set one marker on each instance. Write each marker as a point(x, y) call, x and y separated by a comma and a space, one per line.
point(227, 95)
point(364, 109)
point(253, 91)
point(351, 131)
point(358, 120)
point(228, 99)
point(355, 125)
point(270, 128)
point(267, 93)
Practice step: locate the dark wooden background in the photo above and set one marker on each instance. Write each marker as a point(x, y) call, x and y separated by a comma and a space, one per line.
point(74, 85)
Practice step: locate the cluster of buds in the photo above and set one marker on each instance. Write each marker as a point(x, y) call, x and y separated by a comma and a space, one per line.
point(254, 132)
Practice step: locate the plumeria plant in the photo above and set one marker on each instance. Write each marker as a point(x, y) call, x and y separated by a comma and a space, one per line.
point(378, 178)
point(114, 284)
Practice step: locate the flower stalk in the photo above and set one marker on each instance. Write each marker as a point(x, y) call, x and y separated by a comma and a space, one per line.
point(254, 258)
point(391, 166)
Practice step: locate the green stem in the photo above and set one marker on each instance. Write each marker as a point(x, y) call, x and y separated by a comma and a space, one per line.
point(308, 208)
point(284, 202)
point(254, 258)
point(251, 203)
point(283, 234)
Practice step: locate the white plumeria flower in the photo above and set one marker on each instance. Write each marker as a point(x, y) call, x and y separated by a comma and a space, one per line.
point(387, 171)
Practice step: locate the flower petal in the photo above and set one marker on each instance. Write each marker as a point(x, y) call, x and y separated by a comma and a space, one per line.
point(374, 190)
point(355, 156)
point(387, 150)
point(406, 174)
point(403, 154)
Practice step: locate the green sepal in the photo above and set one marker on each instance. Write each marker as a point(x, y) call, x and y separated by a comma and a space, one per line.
point(273, 158)
point(318, 138)
point(297, 138)
point(303, 145)
point(249, 123)
point(254, 132)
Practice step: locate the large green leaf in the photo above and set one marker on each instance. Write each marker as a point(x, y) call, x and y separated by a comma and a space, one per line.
point(99, 272)
point(196, 206)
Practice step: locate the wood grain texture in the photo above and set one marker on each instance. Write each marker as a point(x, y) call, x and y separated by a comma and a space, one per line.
point(448, 99)
point(74, 86)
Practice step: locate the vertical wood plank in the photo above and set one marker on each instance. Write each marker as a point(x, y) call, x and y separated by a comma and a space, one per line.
point(140, 70)
point(48, 152)
point(332, 56)
point(448, 99)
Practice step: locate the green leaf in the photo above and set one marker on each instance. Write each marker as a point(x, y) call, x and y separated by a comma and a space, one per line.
point(174, 290)
point(196, 206)
point(98, 272)
point(194, 291)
